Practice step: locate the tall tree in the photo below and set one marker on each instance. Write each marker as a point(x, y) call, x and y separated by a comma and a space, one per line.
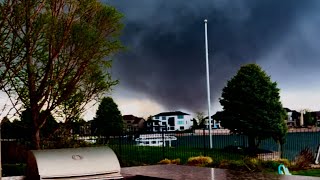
point(54, 55)
point(108, 121)
point(251, 106)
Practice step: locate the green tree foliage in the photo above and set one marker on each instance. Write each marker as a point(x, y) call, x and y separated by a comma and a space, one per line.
point(23, 129)
point(309, 120)
point(6, 128)
point(194, 123)
point(251, 106)
point(108, 121)
point(55, 55)
point(76, 126)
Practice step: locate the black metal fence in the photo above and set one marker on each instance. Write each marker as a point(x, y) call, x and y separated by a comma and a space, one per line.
point(225, 146)
point(228, 146)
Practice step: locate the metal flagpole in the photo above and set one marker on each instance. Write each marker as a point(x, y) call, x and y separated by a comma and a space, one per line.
point(208, 81)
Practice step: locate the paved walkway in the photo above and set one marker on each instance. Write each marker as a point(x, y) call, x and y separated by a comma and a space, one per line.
point(177, 172)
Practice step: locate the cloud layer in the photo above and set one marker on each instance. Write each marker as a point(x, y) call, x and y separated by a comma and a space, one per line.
point(165, 57)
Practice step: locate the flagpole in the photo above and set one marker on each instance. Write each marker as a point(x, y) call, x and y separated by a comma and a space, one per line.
point(208, 81)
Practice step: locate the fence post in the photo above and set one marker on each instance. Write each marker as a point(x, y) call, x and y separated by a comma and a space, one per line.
point(204, 142)
point(120, 144)
point(163, 143)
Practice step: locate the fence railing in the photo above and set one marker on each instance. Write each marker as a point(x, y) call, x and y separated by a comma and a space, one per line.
point(133, 151)
point(225, 146)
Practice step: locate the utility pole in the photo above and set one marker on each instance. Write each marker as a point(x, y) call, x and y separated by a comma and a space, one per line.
point(208, 81)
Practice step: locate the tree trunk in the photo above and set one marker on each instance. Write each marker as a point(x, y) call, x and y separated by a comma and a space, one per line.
point(252, 144)
point(281, 150)
point(36, 128)
point(36, 138)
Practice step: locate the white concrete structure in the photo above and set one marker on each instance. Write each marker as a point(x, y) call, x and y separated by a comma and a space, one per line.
point(171, 121)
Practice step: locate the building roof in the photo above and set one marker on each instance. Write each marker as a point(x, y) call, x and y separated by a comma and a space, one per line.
point(171, 113)
point(287, 109)
point(130, 117)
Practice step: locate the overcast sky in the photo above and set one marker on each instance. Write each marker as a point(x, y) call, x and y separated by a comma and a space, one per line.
point(163, 68)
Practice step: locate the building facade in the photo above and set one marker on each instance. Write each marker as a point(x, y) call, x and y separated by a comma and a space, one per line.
point(170, 121)
point(133, 123)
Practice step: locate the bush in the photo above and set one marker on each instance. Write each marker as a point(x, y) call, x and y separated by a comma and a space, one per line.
point(252, 164)
point(234, 165)
point(270, 165)
point(168, 161)
point(176, 161)
point(200, 161)
point(165, 161)
point(304, 159)
point(65, 143)
point(13, 169)
point(224, 164)
point(285, 162)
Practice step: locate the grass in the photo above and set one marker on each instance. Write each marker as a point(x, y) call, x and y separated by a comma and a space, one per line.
point(141, 155)
point(308, 172)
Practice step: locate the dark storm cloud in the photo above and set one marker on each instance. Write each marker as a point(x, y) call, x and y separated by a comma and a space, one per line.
point(165, 59)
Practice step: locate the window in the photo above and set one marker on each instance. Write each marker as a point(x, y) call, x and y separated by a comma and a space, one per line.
point(171, 128)
point(153, 142)
point(163, 123)
point(163, 118)
point(171, 121)
point(181, 127)
point(180, 116)
point(180, 122)
point(156, 117)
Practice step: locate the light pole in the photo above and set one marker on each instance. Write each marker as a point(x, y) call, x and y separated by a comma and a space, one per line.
point(208, 81)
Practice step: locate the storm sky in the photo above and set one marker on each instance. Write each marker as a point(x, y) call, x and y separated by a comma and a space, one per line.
point(163, 67)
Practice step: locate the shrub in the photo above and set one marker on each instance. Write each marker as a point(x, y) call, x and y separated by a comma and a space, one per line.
point(165, 161)
point(285, 162)
point(168, 161)
point(270, 164)
point(199, 161)
point(237, 165)
point(224, 164)
point(252, 164)
point(13, 169)
point(65, 143)
point(176, 161)
point(234, 165)
point(304, 159)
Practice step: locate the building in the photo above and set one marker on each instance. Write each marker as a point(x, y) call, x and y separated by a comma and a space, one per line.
point(291, 120)
point(215, 122)
point(133, 123)
point(170, 121)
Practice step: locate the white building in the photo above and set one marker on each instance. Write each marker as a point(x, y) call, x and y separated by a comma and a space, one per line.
point(215, 124)
point(171, 121)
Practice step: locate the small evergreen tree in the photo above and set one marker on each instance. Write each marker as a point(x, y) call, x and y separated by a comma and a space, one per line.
point(108, 121)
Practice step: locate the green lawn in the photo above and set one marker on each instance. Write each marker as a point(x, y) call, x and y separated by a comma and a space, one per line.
point(309, 172)
point(138, 155)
